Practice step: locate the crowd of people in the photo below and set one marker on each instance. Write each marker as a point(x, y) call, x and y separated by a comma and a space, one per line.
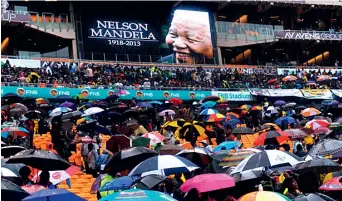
point(106, 76)
point(209, 126)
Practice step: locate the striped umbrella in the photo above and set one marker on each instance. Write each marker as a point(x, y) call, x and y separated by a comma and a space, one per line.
point(334, 184)
point(155, 137)
point(190, 128)
point(289, 78)
point(308, 112)
point(215, 117)
point(298, 133)
point(326, 147)
point(209, 112)
point(14, 131)
point(266, 158)
point(263, 196)
point(233, 159)
point(198, 155)
point(316, 124)
point(164, 165)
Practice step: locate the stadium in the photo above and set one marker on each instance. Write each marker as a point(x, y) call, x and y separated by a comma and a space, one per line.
point(171, 100)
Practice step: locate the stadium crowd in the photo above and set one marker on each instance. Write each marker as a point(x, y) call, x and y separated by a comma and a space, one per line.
point(117, 76)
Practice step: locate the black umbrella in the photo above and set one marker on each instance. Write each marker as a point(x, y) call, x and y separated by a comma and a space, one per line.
point(11, 98)
point(150, 181)
point(128, 158)
point(63, 98)
point(40, 159)
point(242, 130)
point(71, 115)
point(10, 191)
point(34, 114)
point(326, 147)
point(7, 151)
point(313, 197)
point(300, 107)
point(112, 98)
point(131, 113)
point(318, 166)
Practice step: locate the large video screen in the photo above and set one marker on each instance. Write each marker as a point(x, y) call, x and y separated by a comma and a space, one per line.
point(176, 35)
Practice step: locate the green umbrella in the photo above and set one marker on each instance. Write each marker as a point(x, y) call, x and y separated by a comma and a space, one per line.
point(138, 141)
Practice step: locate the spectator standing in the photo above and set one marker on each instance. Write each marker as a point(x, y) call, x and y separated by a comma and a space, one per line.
point(92, 158)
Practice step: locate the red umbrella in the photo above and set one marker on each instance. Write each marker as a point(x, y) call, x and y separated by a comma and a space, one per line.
point(334, 184)
point(322, 130)
point(175, 101)
point(280, 136)
point(208, 182)
point(272, 81)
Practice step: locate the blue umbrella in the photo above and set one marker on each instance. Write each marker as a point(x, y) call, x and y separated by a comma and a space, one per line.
point(208, 104)
point(284, 121)
point(231, 123)
point(144, 104)
point(279, 103)
point(67, 104)
point(330, 102)
point(53, 195)
point(138, 195)
point(156, 102)
point(121, 183)
point(227, 145)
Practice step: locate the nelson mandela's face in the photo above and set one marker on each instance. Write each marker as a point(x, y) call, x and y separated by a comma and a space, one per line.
point(190, 39)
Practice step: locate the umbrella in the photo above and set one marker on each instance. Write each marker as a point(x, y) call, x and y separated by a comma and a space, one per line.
point(97, 103)
point(11, 98)
point(13, 167)
point(92, 111)
point(5, 172)
point(298, 132)
point(167, 113)
point(16, 112)
point(144, 105)
point(271, 110)
point(150, 181)
point(255, 108)
point(322, 130)
point(290, 104)
point(242, 130)
point(232, 115)
point(208, 182)
point(308, 112)
point(175, 101)
point(208, 112)
point(138, 195)
point(266, 158)
point(20, 106)
point(40, 159)
point(245, 107)
point(215, 117)
point(226, 145)
point(121, 183)
point(96, 185)
point(8, 151)
point(208, 104)
point(120, 92)
point(332, 175)
point(32, 188)
point(34, 114)
point(318, 166)
point(231, 123)
point(284, 121)
point(334, 184)
point(330, 102)
point(67, 104)
point(129, 158)
point(53, 195)
point(280, 136)
point(57, 176)
point(63, 98)
point(199, 156)
point(326, 147)
point(59, 110)
point(317, 123)
point(233, 159)
point(73, 114)
point(191, 130)
point(14, 131)
point(210, 98)
point(289, 78)
point(158, 103)
point(41, 102)
point(279, 103)
point(155, 137)
point(164, 165)
point(323, 78)
point(170, 149)
point(12, 191)
point(131, 113)
point(272, 81)
point(173, 124)
point(263, 196)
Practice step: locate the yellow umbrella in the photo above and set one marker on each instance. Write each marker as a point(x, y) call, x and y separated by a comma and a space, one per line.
point(245, 107)
point(190, 128)
point(173, 124)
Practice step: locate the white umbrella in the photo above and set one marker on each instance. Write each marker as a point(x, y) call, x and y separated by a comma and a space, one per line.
point(271, 110)
point(266, 158)
point(167, 112)
point(5, 172)
point(92, 110)
point(59, 110)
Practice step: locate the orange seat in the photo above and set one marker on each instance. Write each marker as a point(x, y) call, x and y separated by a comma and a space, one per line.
point(78, 160)
point(82, 181)
point(86, 176)
point(64, 186)
point(85, 190)
point(76, 186)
